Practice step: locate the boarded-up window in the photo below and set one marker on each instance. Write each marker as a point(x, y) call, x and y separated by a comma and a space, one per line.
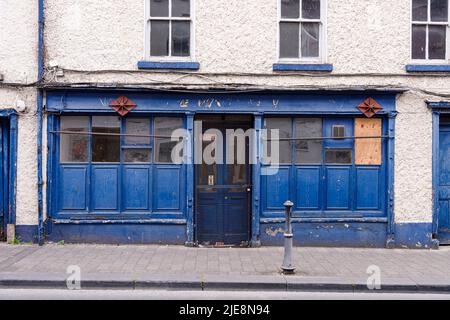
point(368, 151)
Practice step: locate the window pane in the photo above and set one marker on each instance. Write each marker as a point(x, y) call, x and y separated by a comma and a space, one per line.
point(290, 9)
point(419, 35)
point(338, 132)
point(310, 39)
point(159, 8)
point(289, 40)
point(137, 155)
point(74, 148)
point(284, 125)
point(137, 127)
point(439, 10)
point(159, 38)
point(437, 38)
point(420, 10)
point(308, 151)
point(311, 9)
point(105, 148)
point(181, 38)
point(338, 156)
point(164, 126)
point(181, 8)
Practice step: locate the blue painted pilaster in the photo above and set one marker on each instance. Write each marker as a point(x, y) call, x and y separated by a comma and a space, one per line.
point(189, 147)
point(436, 125)
point(12, 168)
point(256, 205)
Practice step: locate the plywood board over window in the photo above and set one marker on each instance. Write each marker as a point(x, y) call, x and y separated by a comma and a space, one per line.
point(368, 151)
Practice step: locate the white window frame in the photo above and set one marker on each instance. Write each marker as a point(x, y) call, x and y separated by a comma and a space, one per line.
point(322, 58)
point(427, 24)
point(147, 33)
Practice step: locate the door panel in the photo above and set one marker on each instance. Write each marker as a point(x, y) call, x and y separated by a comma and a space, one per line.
point(444, 185)
point(223, 193)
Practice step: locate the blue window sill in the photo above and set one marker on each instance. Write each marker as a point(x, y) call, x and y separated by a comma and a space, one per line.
point(427, 68)
point(168, 65)
point(302, 67)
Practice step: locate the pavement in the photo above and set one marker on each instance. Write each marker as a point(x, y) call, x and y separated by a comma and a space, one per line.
point(218, 269)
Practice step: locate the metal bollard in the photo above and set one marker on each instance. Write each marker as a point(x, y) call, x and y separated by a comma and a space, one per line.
point(287, 266)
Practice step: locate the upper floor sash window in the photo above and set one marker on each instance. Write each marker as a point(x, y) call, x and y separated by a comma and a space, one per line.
point(302, 30)
point(169, 28)
point(430, 30)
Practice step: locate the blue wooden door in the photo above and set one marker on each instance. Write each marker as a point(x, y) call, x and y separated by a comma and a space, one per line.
point(444, 184)
point(222, 197)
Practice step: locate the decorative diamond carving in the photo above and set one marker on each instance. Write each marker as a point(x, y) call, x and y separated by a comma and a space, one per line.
point(369, 107)
point(123, 105)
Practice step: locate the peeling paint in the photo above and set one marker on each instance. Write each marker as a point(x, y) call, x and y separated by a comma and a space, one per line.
point(274, 232)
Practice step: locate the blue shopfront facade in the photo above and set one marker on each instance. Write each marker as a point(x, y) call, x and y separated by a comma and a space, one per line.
point(109, 179)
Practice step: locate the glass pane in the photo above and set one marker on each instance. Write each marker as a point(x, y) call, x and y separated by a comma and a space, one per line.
point(437, 36)
point(137, 155)
point(308, 151)
point(419, 40)
point(310, 39)
point(420, 10)
point(164, 127)
point(106, 148)
point(289, 40)
point(290, 9)
point(139, 127)
point(284, 125)
point(74, 148)
point(311, 9)
point(338, 156)
point(181, 38)
point(439, 10)
point(237, 171)
point(159, 38)
point(159, 8)
point(181, 8)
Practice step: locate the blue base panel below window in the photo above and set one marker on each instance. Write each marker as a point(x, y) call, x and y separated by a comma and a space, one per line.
point(27, 233)
point(302, 67)
point(118, 234)
point(415, 236)
point(364, 235)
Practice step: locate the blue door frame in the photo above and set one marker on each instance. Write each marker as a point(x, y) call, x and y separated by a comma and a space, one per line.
point(222, 206)
point(8, 168)
point(260, 105)
point(438, 109)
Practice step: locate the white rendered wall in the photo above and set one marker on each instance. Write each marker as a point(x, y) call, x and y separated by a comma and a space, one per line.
point(236, 43)
point(18, 64)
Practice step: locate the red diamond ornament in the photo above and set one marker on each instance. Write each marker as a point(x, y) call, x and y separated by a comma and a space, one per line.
point(369, 107)
point(123, 105)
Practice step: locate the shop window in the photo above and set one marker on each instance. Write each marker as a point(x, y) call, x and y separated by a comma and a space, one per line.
point(338, 132)
point(308, 151)
point(106, 139)
point(108, 142)
point(164, 127)
point(136, 147)
point(338, 157)
point(284, 125)
point(74, 147)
